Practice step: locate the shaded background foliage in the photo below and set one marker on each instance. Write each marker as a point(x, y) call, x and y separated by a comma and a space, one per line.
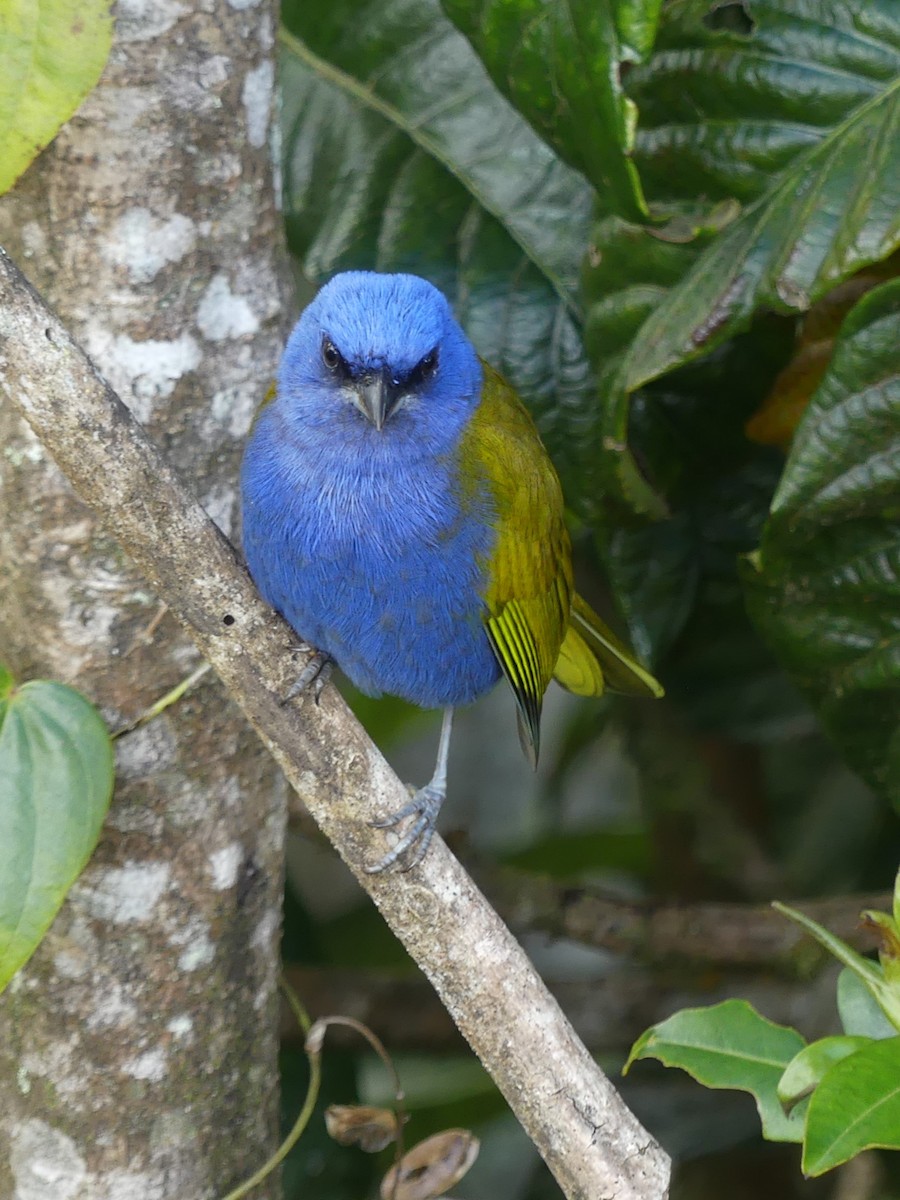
point(656, 222)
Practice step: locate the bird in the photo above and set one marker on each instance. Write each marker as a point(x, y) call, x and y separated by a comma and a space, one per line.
point(400, 511)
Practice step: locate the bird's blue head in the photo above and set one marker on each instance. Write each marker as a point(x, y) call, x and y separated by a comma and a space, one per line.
point(380, 358)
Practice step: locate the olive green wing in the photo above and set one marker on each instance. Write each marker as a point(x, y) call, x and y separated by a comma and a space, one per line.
point(529, 590)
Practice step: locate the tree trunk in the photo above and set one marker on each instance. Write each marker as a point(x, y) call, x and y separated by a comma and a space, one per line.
point(138, 1047)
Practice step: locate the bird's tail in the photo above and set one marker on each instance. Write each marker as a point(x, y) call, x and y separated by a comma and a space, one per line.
point(592, 660)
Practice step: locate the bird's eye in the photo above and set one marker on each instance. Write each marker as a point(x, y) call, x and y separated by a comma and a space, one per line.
point(330, 354)
point(428, 365)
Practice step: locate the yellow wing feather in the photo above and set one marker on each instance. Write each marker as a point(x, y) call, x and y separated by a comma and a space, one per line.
point(591, 649)
point(529, 594)
point(538, 627)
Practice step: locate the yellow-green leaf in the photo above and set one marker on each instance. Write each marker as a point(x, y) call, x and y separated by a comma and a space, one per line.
point(52, 52)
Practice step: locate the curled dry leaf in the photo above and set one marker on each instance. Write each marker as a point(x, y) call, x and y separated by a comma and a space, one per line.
point(372, 1129)
point(777, 418)
point(432, 1167)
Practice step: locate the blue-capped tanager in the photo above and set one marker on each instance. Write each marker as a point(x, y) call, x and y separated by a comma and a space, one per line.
point(401, 512)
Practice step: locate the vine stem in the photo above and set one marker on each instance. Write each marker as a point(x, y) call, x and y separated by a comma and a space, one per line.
point(312, 1095)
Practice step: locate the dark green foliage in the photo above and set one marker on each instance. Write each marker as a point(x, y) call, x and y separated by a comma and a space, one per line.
point(633, 207)
point(560, 65)
point(824, 586)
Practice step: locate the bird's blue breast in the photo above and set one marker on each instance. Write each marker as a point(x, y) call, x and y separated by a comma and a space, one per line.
point(379, 561)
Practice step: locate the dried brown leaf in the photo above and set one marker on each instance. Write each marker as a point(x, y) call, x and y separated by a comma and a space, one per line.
point(372, 1129)
point(432, 1167)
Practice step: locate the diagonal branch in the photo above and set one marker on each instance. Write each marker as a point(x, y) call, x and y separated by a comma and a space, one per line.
point(589, 1139)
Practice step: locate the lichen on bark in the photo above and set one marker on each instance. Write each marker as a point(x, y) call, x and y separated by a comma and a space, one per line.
point(138, 1047)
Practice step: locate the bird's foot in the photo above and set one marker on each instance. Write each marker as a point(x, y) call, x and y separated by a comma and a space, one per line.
point(413, 845)
point(314, 676)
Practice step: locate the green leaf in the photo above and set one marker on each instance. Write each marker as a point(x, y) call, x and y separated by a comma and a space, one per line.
point(805, 1071)
point(859, 1011)
point(655, 574)
point(372, 181)
point(407, 63)
point(52, 54)
point(560, 66)
point(56, 763)
point(730, 1046)
point(870, 973)
point(855, 1107)
point(723, 112)
point(825, 586)
point(677, 580)
point(888, 945)
point(831, 211)
point(631, 268)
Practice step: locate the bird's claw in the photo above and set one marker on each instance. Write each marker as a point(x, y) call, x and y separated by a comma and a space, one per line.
point(424, 807)
point(314, 676)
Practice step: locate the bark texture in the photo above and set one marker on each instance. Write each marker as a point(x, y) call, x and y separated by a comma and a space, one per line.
point(589, 1139)
point(138, 1048)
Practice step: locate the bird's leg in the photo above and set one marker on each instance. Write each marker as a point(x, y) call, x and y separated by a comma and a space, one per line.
point(315, 674)
point(423, 807)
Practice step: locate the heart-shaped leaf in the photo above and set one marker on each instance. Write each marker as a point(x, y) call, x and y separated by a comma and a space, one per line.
point(56, 780)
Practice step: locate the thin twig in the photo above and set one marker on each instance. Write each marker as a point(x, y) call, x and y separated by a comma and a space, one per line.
point(160, 705)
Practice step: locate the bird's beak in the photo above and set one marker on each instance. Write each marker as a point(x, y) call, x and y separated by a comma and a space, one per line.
point(376, 396)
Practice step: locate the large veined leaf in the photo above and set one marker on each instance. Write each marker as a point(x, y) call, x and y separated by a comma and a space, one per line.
point(831, 211)
point(560, 65)
point(369, 183)
point(630, 270)
point(677, 578)
point(56, 779)
point(52, 54)
point(826, 586)
point(408, 63)
point(724, 110)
